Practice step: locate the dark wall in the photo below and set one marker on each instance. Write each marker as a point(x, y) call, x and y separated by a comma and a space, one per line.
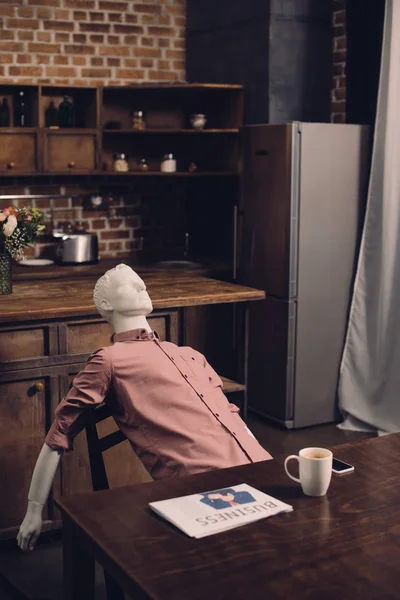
point(280, 50)
point(227, 42)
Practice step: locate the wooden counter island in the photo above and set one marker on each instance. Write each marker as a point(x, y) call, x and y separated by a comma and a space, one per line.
point(47, 330)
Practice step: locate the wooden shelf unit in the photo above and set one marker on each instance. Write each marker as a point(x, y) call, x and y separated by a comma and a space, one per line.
point(88, 148)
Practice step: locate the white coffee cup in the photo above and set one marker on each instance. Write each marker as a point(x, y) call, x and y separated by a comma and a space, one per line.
point(315, 470)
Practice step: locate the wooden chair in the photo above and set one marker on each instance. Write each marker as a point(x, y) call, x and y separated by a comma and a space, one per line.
point(96, 447)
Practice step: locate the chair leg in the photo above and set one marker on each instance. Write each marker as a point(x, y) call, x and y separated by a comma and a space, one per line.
point(114, 591)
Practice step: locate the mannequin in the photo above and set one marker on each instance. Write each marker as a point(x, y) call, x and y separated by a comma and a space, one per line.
point(121, 298)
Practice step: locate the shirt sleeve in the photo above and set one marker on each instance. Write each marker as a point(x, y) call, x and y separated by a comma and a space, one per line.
point(89, 389)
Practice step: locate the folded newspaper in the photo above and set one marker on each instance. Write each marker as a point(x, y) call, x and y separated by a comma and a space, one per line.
point(211, 512)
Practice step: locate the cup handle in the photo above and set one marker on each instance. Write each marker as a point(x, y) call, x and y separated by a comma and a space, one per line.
point(286, 469)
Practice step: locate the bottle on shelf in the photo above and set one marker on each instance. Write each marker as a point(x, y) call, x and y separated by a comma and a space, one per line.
point(51, 115)
point(4, 113)
point(20, 111)
point(66, 113)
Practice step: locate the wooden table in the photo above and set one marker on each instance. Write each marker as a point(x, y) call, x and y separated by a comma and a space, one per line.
point(345, 545)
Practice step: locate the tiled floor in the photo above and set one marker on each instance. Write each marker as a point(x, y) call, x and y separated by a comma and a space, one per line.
point(38, 575)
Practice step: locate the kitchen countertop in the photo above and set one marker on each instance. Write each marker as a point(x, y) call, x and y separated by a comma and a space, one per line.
point(72, 296)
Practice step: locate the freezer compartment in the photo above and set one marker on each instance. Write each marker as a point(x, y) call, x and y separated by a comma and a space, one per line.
point(271, 359)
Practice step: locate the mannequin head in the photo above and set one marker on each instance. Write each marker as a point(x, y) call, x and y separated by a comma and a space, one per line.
point(120, 294)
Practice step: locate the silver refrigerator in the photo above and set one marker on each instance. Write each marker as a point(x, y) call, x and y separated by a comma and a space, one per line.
point(304, 189)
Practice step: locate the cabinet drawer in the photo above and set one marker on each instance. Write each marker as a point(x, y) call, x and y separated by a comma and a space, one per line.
point(18, 345)
point(70, 152)
point(17, 152)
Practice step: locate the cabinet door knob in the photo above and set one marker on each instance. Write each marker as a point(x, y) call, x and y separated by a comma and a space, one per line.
point(11, 165)
point(71, 164)
point(38, 386)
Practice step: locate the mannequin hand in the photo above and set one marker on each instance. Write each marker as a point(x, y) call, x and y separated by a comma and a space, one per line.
point(30, 528)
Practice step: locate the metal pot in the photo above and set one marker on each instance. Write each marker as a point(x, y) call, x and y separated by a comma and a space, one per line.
point(78, 248)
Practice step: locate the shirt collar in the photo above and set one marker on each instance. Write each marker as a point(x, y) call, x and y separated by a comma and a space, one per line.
point(135, 335)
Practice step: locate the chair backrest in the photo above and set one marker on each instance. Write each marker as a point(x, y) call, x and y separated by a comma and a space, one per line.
point(96, 445)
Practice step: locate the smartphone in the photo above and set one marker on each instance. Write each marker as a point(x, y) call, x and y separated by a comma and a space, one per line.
point(339, 467)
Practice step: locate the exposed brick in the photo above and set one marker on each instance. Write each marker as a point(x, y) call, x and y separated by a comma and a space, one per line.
point(339, 56)
point(179, 43)
point(339, 30)
point(79, 61)
point(62, 15)
point(162, 64)
point(98, 224)
point(113, 62)
point(179, 64)
point(178, 54)
point(178, 22)
point(132, 63)
point(147, 52)
point(113, 39)
point(114, 50)
point(11, 46)
point(25, 12)
point(6, 11)
point(85, 4)
point(78, 49)
point(96, 38)
point(45, 48)
point(339, 117)
point(339, 94)
point(43, 36)
point(80, 15)
point(44, 2)
point(79, 38)
point(148, 20)
point(42, 12)
point(23, 23)
point(62, 37)
point(130, 73)
point(339, 17)
point(96, 16)
point(96, 73)
point(25, 71)
point(147, 8)
point(340, 43)
point(161, 31)
point(6, 35)
point(114, 235)
point(58, 25)
point(115, 17)
point(148, 63)
point(339, 106)
point(42, 59)
point(163, 76)
point(24, 59)
point(95, 27)
point(338, 69)
point(110, 5)
point(60, 71)
point(96, 61)
point(25, 35)
point(6, 59)
point(163, 42)
point(128, 29)
point(115, 245)
point(131, 18)
point(60, 60)
point(145, 41)
point(132, 40)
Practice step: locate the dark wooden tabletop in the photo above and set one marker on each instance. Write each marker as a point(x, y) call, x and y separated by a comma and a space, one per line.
point(49, 299)
point(345, 545)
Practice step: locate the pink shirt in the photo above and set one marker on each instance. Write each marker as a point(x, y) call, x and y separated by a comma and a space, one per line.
point(168, 402)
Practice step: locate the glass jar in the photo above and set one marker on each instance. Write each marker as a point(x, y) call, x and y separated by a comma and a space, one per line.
point(168, 163)
point(138, 122)
point(120, 163)
point(143, 165)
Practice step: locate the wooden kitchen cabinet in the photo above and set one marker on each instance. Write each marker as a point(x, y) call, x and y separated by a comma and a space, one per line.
point(26, 399)
point(18, 151)
point(70, 152)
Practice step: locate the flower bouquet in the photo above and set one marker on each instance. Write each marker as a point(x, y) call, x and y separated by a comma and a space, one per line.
point(18, 229)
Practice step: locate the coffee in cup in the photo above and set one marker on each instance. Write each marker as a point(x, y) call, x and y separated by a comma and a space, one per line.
point(315, 470)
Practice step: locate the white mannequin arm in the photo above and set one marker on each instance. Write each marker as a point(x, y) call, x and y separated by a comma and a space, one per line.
point(42, 480)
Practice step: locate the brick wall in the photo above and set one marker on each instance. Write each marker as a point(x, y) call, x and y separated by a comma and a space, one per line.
point(95, 42)
point(338, 110)
point(92, 42)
